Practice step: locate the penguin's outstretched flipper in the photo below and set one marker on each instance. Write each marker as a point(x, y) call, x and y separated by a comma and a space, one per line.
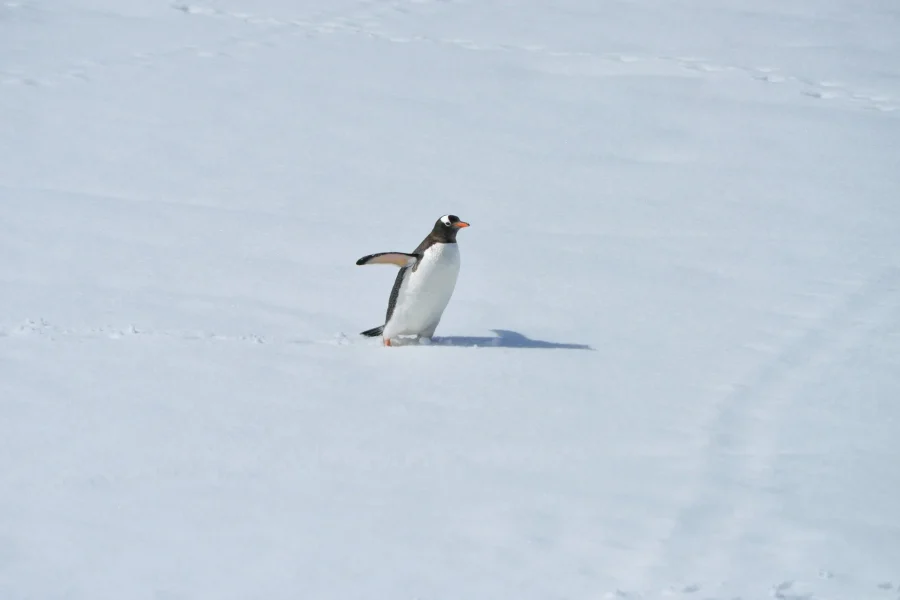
point(374, 332)
point(401, 259)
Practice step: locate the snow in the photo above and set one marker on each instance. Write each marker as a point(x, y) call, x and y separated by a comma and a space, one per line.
point(670, 367)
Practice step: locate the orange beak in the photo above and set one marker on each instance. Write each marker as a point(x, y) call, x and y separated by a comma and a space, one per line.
point(460, 224)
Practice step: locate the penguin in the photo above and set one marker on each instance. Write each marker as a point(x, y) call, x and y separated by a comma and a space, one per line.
point(424, 284)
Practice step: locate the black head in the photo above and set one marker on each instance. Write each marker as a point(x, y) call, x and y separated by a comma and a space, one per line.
point(446, 228)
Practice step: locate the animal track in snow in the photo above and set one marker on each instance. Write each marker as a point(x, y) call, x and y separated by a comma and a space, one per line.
point(743, 447)
point(823, 90)
point(365, 23)
point(784, 590)
point(44, 329)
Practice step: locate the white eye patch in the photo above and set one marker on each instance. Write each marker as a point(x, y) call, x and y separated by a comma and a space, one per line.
point(446, 220)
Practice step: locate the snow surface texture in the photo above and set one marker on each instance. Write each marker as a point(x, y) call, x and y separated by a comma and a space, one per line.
point(671, 367)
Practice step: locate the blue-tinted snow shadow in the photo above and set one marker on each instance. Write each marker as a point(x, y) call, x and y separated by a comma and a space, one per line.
point(505, 339)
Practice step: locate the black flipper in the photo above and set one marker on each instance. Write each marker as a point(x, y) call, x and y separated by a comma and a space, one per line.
point(400, 259)
point(374, 332)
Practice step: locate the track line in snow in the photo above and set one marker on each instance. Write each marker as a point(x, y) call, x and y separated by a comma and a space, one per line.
point(365, 23)
point(743, 433)
point(362, 24)
point(267, 29)
point(43, 329)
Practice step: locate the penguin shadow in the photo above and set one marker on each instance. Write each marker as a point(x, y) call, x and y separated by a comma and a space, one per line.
point(505, 339)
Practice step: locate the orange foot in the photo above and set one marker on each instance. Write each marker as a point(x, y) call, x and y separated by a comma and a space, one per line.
point(387, 342)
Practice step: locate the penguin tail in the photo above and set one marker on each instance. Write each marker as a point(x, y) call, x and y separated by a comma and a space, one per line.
point(374, 332)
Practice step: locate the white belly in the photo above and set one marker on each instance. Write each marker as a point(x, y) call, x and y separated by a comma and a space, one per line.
point(425, 293)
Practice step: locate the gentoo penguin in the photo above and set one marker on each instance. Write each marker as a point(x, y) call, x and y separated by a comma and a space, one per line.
point(424, 284)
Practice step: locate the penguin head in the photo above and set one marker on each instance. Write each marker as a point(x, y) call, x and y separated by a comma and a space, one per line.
point(446, 228)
